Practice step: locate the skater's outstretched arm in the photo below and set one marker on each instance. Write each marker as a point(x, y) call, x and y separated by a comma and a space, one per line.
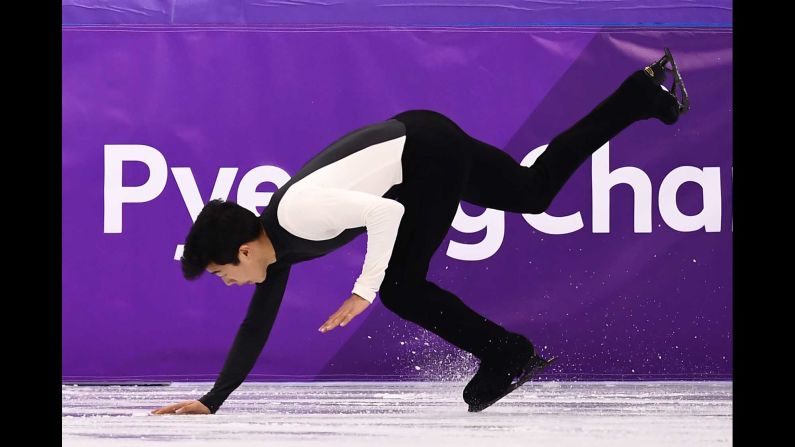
point(247, 346)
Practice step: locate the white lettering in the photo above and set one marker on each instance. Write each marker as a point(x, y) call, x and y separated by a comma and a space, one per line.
point(115, 194)
point(494, 223)
point(603, 180)
point(709, 217)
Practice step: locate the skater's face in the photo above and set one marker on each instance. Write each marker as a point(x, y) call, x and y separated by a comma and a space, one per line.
point(247, 271)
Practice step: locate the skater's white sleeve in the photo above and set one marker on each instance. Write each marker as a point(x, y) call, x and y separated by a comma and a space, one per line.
point(321, 213)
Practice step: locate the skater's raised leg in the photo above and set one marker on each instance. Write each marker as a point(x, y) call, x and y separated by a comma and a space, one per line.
point(498, 181)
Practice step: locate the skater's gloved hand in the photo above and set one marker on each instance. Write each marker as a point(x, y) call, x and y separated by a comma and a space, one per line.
point(184, 407)
point(350, 308)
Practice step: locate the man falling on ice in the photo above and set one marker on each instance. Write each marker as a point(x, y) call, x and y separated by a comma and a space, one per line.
point(401, 181)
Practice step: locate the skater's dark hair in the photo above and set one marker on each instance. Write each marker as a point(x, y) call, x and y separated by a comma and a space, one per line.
point(219, 231)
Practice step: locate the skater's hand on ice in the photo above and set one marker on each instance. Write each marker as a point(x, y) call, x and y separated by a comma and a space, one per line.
point(350, 308)
point(184, 407)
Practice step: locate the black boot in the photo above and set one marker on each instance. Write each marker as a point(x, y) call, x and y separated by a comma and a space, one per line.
point(512, 363)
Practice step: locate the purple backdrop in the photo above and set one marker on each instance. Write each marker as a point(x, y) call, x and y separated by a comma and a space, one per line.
point(645, 299)
point(698, 13)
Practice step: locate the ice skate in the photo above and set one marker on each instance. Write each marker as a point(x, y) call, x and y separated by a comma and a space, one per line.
point(658, 72)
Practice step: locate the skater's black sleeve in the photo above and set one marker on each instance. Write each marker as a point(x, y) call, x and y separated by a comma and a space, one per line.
point(250, 338)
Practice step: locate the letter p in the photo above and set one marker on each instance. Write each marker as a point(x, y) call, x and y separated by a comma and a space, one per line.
point(116, 194)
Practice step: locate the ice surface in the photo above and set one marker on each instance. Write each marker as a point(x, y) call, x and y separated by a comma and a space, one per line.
point(414, 414)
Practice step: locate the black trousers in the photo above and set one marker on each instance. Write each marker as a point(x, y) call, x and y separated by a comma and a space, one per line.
point(443, 165)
